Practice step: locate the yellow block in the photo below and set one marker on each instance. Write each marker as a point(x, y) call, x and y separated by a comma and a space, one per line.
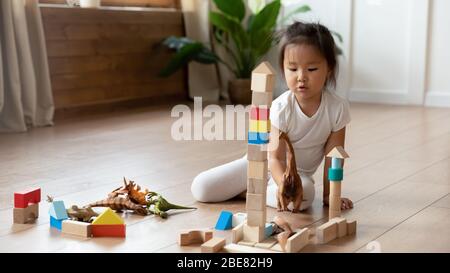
point(108, 217)
point(261, 126)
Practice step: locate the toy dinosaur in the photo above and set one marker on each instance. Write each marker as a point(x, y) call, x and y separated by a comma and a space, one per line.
point(157, 205)
point(132, 191)
point(119, 204)
point(291, 190)
point(81, 214)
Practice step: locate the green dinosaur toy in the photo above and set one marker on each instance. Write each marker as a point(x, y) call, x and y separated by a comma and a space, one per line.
point(157, 205)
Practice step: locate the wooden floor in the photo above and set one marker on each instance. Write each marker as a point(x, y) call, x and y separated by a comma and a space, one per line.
point(398, 176)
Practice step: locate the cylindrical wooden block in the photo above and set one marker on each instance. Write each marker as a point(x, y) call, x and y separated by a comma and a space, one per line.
point(334, 213)
point(335, 188)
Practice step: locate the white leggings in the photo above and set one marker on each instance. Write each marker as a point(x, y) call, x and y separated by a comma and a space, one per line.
point(227, 181)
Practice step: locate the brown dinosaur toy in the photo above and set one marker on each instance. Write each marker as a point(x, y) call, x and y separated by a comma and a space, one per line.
point(119, 204)
point(81, 214)
point(291, 190)
point(133, 192)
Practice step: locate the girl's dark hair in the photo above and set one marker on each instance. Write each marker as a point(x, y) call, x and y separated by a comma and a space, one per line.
point(316, 35)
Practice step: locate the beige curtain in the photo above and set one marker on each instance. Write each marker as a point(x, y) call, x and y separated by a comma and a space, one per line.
point(203, 79)
point(25, 91)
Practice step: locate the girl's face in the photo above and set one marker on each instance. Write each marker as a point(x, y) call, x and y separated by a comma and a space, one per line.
point(305, 70)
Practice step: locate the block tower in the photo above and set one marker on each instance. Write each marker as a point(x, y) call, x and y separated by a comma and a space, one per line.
point(263, 79)
point(337, 226)
point(26, 206)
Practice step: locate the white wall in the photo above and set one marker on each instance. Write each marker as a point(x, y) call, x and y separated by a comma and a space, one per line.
point(395, 51)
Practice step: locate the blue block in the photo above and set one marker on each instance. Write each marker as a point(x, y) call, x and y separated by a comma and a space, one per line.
point(258, 138)
point(268, 230)
point(225, 220)
point(58, 210)
point(336, 163)
point(55, 223)
point(335, 174)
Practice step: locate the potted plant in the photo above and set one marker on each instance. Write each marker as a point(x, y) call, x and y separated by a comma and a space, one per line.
point(245, 40)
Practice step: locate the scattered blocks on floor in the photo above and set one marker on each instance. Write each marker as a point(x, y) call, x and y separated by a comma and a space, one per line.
point(58, 213)
point(225, 220)
point(23, 198)
point(213, 245)
point(326, 232)
point(77, 228)
point(194, 236)
point(254, 233)
point(26, 215)
point(238, 218)
point(237, 233)
point(108, 230)
point(351, 227)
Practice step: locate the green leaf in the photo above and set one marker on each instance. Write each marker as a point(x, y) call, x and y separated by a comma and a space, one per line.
point(181, 58)
point(233, 28)
point(337, 35)
point(267, 17)
point(176, 43)
point(233, 8)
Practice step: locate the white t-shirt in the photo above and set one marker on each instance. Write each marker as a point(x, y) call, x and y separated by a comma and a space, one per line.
point(309, 134)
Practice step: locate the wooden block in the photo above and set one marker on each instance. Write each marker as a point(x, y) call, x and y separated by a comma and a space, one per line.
point(257, 169)
point(55, 223)
point(238, 218)
point(235, 248)
point(213, 245)
point(326, 232)
point(253, 233)
point(333, 214)
point(26, 215)
point(297, 241)
point(256, 152)
point(256, 218)
point(23, 198)
point(267, 243)
point(341, 226)
point(246, 243)
point(338, 152)
point(260, 126)
point(58, 211)
point(263, 78)
point(262, 99)
point(194, 236)
point(256, 185)
point(108, 230)
point(351, 227)
point(255, 201)
point(258, 138)
point(277, 247)
point(259, 113)
point(108, 217)
point(335, 189)
point(237, 233)
point(77, 228)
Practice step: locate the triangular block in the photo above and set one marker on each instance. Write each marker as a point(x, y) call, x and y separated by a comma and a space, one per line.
point(225, 220)
point(108, 217)
point(58, 210)
point(338, 152)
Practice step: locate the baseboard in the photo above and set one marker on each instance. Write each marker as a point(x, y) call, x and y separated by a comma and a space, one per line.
point(437, 99)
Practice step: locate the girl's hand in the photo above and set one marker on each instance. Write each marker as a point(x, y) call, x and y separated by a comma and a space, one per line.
point(345, 203)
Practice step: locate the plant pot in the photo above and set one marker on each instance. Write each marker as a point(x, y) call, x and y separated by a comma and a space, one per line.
point(239, 91)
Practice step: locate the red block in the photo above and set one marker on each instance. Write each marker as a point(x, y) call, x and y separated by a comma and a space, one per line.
point(257, 113)
point(23, 198)
point(108, 230)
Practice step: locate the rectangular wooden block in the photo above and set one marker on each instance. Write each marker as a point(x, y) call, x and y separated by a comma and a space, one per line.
point(351, 227)
point(259, 113)
point(237, 233)
point(257, 169)
point(277, 247)
point(255, 201)
point(256, 218)
point(262, 99)
point(253, 233)
point(23, 198)
point(333, 214)
point(108, 230)
point(25, 215)
point(341, 226)
point(77, 228)
point(297, 241)
point(267, 243)
point(326, 232)
point(262, 82)
point(213, 245)
point(257, 152)
point(260, 126)
point(235, 248)
point(246, 243)
point(194, 236)
point(335, 188)
point(256, 185)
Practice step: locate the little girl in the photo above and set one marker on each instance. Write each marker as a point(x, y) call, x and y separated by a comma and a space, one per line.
point(311, 115)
